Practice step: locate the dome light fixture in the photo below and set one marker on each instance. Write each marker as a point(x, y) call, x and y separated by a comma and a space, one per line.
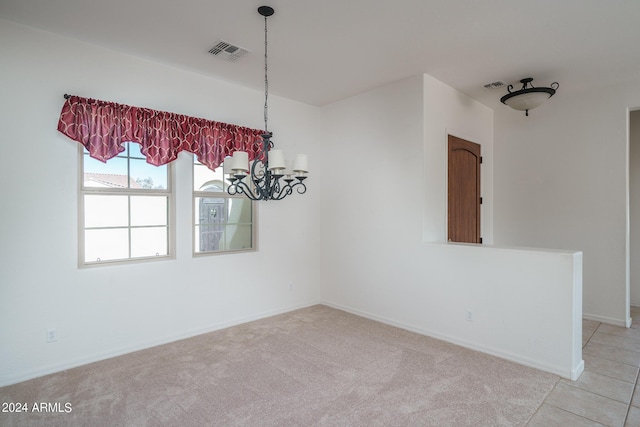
point(528, 97)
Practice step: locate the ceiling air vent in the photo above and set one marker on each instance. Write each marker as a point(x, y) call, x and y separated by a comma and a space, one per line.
point(227, 51)
point(495, 85)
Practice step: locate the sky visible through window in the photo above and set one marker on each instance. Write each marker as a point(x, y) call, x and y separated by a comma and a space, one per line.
point(146, 174)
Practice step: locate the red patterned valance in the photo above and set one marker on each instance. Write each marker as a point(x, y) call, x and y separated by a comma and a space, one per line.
point(102, 127)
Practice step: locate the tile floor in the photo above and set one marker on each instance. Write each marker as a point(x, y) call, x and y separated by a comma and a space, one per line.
point(608, 392)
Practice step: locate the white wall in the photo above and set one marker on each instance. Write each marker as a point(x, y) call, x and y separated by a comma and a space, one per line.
point(634, 205)
point(100, 312)
point(561, 182)
point(392, 141)
point(448, 112)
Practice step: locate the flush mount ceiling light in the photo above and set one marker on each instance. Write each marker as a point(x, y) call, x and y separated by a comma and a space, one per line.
point(528, 97)
point(266, 178)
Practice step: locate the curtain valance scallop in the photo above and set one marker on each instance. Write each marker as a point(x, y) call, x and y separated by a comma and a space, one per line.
point(102, 127)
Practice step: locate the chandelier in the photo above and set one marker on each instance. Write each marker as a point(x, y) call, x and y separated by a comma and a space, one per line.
point(528, 97)
point(266, 179)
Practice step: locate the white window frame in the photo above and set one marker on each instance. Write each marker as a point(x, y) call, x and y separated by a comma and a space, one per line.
point(223, 195)
point(83, 191)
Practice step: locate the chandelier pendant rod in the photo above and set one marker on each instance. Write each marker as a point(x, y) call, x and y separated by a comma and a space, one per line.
point(259, 181)
point(266, 79)
point(269, 186)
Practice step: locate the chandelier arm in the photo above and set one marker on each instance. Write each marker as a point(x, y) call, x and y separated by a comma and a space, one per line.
point(242, 188)
point(282, 191)
point(299, 186)
point(302, 187)
point(284, 194)
point(232, 190)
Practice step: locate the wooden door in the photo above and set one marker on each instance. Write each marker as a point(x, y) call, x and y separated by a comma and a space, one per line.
point(464, 191)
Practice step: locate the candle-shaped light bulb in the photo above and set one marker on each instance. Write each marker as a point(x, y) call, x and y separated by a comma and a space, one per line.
point(240, 163)
point(301, 164)
point(276, 160)
point(226, 166)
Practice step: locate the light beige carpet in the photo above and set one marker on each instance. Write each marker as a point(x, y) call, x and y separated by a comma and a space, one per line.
point(312, 367)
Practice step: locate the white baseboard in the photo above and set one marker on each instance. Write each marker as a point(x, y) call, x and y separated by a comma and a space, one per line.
point(58, 367)
point(608, 320)
point(575, 373)
point(572, 374)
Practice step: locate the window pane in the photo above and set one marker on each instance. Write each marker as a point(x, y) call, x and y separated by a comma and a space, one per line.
point(149, 210)
point(112, 174)
point(148, 241)
point(209, 238)
point(104, 245)
point(134, 150)
point(204, 179)
point(221, 223)
point(146, 175)
point(209, 210)
point(238, 237)
point(215, 231)
point(210, 216)
point(105, 211)
point(239, 211)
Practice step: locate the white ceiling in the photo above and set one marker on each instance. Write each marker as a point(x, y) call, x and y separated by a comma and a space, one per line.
point(324, 51)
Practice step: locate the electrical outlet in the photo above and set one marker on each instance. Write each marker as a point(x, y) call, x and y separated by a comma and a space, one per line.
point(52, 335)
point(469, 316)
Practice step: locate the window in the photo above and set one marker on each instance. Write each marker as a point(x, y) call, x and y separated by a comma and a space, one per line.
point(125, 208)
point(222, 223)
